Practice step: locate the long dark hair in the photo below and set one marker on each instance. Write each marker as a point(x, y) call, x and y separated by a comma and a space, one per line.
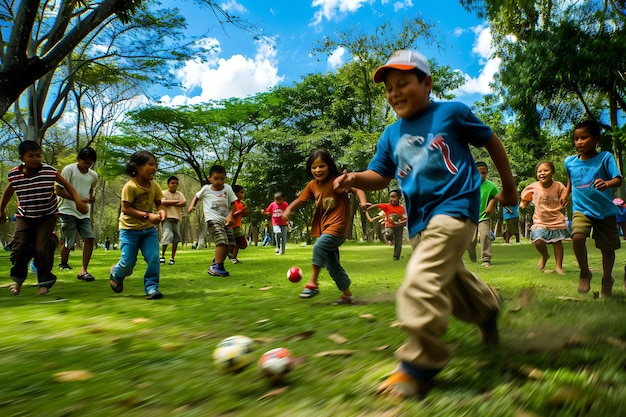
point(322, 154)
point(138, 159)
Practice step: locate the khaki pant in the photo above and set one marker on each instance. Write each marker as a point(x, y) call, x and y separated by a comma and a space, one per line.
point(484, 231)
point(436, 286)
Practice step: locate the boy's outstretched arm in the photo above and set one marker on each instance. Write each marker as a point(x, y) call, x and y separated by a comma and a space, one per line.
point(508, 195)
point(80, 205)
point(365, 180)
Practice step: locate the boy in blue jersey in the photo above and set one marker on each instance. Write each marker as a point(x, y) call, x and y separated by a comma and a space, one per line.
point(427, 150)
point(591, 175)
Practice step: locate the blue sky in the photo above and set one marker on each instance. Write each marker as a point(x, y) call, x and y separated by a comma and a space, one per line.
point(241, 66)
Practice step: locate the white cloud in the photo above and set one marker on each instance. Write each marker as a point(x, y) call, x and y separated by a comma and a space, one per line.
point(401, 5)
point(490, 65)
point(336, 59)
point(233, 7)
point(236, 76)
point(335, 9)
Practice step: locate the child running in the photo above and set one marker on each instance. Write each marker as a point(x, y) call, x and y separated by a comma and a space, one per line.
point(591, 175)
point(549, 198)
point(137, 224)
point(330, 222)
point(218, 202)
point(427, 150)
point(395, 220)
point(241, 211)
point(36, 217)
point(173, 201)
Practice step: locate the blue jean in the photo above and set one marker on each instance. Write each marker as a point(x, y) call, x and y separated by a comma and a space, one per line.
point(326, 254)
point(281, 238)
point(131, 241)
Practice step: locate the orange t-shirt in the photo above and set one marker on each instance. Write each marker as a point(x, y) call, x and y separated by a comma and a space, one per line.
point(332, 209)
point(389, 210)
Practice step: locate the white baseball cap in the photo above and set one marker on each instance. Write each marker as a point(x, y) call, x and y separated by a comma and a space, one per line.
point(403, 60)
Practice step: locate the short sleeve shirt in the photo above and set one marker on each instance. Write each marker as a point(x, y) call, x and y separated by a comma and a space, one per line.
point(142, 199)
point(35, 193)
point(332, 209)
point(83, 183)
point(216, 203)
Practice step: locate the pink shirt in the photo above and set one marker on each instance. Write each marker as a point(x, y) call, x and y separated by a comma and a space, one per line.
point(548, 207)
point(276, 211)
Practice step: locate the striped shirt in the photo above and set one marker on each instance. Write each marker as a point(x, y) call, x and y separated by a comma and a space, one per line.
point(35, 193)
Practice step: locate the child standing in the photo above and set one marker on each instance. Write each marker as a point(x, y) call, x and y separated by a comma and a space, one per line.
point(173, 201)
point(549, 198)
point(73, 222)
point(281, 226)
point(137, 224)
point(591, 175)
point(36, 217)
point(395, 220)
point(218, 200)
point(330, 222)
point(427, 150)
point(510, 215)
point(241, 211)
point(488, 191)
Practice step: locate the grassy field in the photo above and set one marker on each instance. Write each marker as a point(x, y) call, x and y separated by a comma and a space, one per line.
point(84, 351)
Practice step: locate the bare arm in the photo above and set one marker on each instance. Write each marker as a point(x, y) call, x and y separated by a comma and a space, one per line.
point(192, 205)
point(508, 195)
point(6, 197)
point(295, 205)
point(365, 180)
point(80, 205)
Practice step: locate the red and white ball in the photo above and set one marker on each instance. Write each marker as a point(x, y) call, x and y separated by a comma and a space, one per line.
point(276, 363)
point(294, 274)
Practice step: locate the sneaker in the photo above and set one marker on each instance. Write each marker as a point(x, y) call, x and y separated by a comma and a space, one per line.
point(171, 262)
point(486, 264)
point(154, 295)
point(65, 267)
point(400, 385)
point(235, 261)
point(309, 292)
point(162, 260)
point(87, 277)
point(344, 300)
point(217, 270)
point(607, 287)
point(277, 250)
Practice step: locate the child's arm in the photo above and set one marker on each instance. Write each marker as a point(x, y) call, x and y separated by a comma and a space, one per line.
point(600, 184)
point(160, 211)
point(508, 194)
point(295, 205)
point(229, 218)
point(192, 205)
point(491, 205)
point(365, 180)
point(6, 197)
point(80, 205)
point(360, 194)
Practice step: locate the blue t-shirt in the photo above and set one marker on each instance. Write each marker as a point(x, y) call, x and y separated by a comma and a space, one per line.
point(512, 214)
point(429, 155)
point(585, 197)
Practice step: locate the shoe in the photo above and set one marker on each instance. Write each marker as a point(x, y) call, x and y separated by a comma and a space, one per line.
point(607, 288)
point(277, 250)
point(117, 287)
point(584, 284)
point(309, 292)
point(87, 277)
point(402, 386)
point(171, 262)
point(344, 300)
point(162, 260)
point(235, 261)
point(154, 295)
point(489, 329)
point(486, 264)
point(217, 270)
point(65, 267)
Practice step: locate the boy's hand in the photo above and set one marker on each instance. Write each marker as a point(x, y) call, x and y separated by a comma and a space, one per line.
point(82, 207)
point(343, 182)
point(162, 215)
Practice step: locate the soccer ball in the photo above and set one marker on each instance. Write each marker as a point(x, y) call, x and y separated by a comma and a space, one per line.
point(276, 363)
point(294, 274)
point(394, 218)
point(233, 354)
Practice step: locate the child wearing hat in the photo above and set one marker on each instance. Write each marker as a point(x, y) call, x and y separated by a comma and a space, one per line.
point(427, 151)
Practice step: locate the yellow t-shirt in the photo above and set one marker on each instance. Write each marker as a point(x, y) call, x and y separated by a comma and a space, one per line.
point(143, 199)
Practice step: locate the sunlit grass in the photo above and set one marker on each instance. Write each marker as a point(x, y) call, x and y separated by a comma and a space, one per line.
point(561, 353)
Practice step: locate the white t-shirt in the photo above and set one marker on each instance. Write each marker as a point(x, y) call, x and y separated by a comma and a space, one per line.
point(83, 183)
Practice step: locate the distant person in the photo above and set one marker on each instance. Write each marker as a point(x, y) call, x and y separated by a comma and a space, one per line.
point(137, 225)
point(549, 227)
point(267, 236)
point(241, 211)
point(107, 243)
point(395, 220)
point(621, 217)
point(330, 223)
point(73, 222)
point(173, 201)
point(591, 175)
point(218, 202)
point(281, 226)
point(37, 209)
point(427, 151)
point(488, 191)
point(510, 215)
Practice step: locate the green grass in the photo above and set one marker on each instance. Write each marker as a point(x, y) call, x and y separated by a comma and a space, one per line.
point(557, 357)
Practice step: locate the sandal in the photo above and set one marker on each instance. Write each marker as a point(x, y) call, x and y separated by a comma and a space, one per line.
point(43, 290)
point(344, 300)
point(87, 277)
point(117, 287)
point(15, 289)
point(309, 292)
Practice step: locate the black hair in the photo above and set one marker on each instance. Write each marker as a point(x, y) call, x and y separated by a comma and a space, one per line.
point(548, 163)
point(28, 145)
point(236, 188)
point(396, 191)
point(172, 178)
point(217, 169)
point(590, 126)
point(87, 153)
point(138, 159)
point(481, 164)
point(324, 156)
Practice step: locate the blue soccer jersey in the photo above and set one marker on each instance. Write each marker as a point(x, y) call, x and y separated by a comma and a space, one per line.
point(430, 156)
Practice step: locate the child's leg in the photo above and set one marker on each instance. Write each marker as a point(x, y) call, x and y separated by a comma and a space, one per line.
point(484, 230)
point(221, 252)
point(283, 244)
point(21, 250)
point(579, 246)
point(557, 247)
point(608, 261)
point(88, 245)
point(163, 249)
point(542, 248)
point(507, 236)
point(174, 247)
point(149, 245)
point(130, 241)
point(44, 246)
point(398, 233)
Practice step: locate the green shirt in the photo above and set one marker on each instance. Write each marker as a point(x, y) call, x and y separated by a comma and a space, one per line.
point(488, 190)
